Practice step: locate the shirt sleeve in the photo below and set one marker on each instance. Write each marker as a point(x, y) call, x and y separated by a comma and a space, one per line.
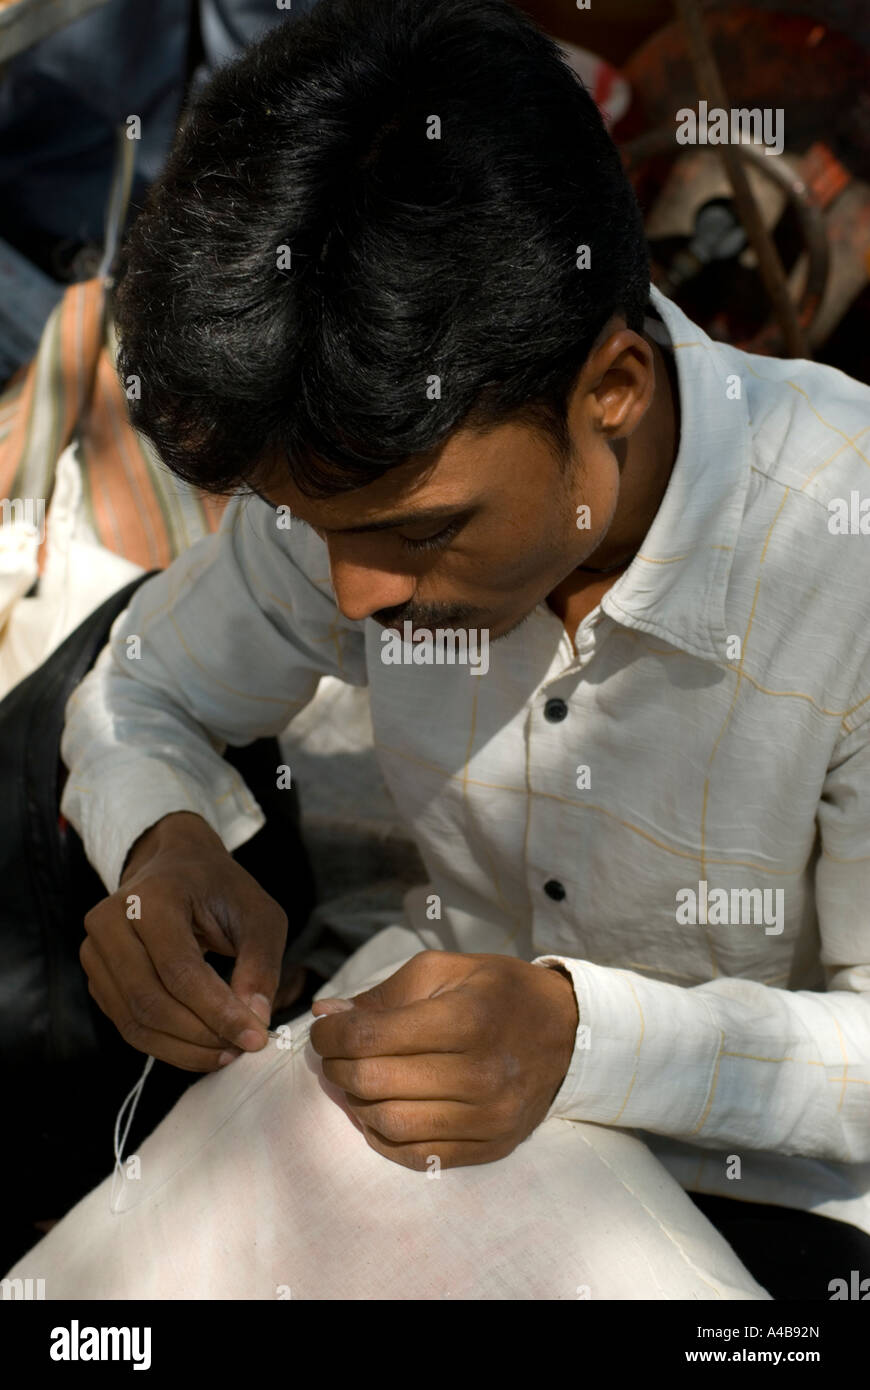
point(223, 647)
point(733, 1061)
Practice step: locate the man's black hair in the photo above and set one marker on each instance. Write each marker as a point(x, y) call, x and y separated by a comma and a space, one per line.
point(432, 282)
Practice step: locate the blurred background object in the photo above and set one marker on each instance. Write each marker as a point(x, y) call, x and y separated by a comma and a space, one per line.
point(609, 89)
point(72, 74)
point(814, 197)
point(808, 58)
point(24, 22)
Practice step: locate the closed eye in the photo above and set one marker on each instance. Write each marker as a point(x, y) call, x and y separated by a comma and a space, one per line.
point(436, 541)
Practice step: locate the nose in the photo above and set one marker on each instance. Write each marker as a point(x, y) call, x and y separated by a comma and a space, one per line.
point(361, 588)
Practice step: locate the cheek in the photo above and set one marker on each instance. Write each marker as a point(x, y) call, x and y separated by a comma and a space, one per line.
point(515, 563)
point(598, 490)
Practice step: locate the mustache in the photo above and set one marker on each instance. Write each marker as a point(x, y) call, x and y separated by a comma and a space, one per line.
point(426, 615)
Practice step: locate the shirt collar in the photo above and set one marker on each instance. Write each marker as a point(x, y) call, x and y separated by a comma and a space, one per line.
point(675, 586)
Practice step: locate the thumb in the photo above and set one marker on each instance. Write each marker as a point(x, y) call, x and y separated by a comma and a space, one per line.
point(321, 1007)
point(414, 981)
point(368, 999)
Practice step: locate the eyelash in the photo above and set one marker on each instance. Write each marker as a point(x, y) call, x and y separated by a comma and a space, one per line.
point(433, 542)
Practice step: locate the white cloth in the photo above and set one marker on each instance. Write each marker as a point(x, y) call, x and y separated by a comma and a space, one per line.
point(721, 701)
point(258, 1185)
point(79, 574)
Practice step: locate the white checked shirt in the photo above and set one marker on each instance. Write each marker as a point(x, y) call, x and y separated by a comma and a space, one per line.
point(720, 700)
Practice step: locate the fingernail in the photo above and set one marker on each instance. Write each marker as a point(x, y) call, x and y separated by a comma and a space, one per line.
point(227, 1057)
point(250, 1041)
point(262, 1007)
point(334, 1006)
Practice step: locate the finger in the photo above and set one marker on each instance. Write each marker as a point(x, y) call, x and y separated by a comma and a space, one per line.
point(196, 985)
point(257, 972)
point(165, 1048)
point(449, 1023)
point(425, 1121)
point(141, 994)
point(427, 1076)
point(429, 1158)
point(419, 978)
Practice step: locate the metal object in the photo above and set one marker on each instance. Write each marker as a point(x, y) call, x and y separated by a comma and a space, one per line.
point(814, 196)
point(706, 188)
point(712, 90)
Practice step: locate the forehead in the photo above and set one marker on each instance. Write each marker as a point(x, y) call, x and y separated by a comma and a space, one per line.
point(470, 466)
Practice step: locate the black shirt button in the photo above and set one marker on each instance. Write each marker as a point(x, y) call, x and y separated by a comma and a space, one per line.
point(554, 889)
point(555, 710)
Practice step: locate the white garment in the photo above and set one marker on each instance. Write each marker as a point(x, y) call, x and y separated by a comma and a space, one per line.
point(259, 1185)
point(79, 574)
point(721, 701)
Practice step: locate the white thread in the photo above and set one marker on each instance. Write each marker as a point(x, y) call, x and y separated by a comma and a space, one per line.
point(134, 1095)
point(283, 1057)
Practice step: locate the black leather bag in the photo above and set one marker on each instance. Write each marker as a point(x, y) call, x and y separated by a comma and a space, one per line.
point(65, 1069)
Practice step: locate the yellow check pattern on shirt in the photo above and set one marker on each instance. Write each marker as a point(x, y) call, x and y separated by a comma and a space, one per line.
point(717, 742)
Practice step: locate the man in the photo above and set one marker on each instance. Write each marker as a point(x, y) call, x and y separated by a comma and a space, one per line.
point(393, 290)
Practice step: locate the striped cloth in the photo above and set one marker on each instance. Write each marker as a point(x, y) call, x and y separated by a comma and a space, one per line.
point(70, 391)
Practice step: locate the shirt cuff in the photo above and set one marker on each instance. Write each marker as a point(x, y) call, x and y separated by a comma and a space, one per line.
point(109, 823)
point(634, 1036)
point(563, 1105)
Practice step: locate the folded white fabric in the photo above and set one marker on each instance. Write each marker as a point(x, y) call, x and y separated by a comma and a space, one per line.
point(259, 1185)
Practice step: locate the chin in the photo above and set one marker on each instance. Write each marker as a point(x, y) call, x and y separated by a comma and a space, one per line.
point(510, 625)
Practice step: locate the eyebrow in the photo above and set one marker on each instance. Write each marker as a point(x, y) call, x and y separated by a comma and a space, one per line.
point(418, 518)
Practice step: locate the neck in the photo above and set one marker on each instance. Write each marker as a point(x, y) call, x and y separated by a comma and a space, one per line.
point(646, 469)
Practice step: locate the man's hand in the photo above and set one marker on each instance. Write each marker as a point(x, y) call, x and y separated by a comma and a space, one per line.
point(182, 894)
point(456, 1056)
